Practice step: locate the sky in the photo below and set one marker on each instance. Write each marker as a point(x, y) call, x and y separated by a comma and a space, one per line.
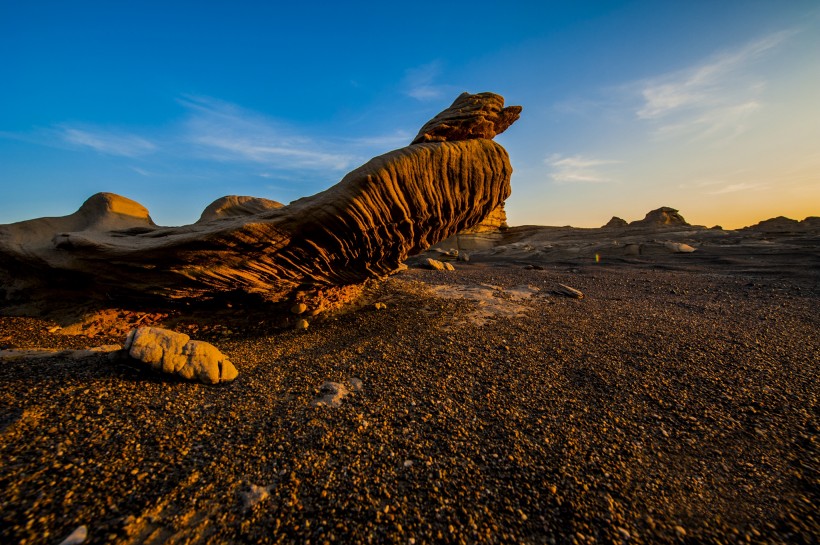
point(709, 107)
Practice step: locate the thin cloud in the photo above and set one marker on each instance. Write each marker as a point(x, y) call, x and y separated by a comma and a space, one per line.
point(107, 142)
point(420, 82)
point(578, 169)
point(231, 133)
point(701, 85)
point(713, 99)
point(738, 187)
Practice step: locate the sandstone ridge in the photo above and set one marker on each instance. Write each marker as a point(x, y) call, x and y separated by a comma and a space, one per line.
point(393, 206)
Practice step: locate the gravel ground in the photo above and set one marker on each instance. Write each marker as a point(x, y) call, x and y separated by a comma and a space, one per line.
point(664, 407)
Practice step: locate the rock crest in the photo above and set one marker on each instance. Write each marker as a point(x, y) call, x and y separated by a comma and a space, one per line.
point(482, 115)
point(663, 216)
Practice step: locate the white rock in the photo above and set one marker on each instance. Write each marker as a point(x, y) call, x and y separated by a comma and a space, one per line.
point(563, 289)
point(679, 247)
point(175, 353)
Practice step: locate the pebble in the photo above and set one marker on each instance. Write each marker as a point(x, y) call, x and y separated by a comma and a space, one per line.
point(79, 535)
point(302, 324)
point(298, 308)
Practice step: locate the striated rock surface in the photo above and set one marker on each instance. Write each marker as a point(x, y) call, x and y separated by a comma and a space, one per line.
point(482, 115)
point(495, 221)
point(395, 205)
point(232, 206)
point(175, 353)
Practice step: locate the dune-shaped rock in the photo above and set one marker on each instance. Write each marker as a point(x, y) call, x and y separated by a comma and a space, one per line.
point(395, 205)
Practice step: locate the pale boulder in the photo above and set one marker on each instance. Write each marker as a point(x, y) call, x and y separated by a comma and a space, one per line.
point(175, 353)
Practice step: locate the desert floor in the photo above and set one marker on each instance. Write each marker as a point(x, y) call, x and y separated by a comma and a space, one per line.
point(669, 405)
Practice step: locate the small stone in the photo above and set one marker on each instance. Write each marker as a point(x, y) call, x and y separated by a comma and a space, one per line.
point(302, 324)
point(76, 537)
point(298, 308)
point(380, 306)
point(434, 264)
point(569, 292)
point(448, 266)
point(624, 533)
point(408, 463)
point(463, 256)
point(679, 247)
point(355, 384)
point(253, 496)
point(680, 531)
point(334, 393)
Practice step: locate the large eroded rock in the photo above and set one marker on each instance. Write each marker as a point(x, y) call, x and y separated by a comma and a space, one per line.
point(395, 205)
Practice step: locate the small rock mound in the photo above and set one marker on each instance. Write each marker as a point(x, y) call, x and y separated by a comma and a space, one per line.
point(615, 223)
point(780, 224)
point(234, 206)
point(175, 353)
point(663, 216)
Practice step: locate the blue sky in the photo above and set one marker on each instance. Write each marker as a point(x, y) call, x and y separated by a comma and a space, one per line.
point(709, 107)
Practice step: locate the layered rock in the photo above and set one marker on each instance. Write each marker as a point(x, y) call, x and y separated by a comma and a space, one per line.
point(482, 115)
point(233, 206)
point(391, 207)
point(661, 217)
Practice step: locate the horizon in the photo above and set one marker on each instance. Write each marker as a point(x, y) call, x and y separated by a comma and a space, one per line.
point(628, 106)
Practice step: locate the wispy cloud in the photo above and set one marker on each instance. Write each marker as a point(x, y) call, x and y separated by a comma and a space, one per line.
point(739, 187)
point(713, 98)
point(106, 141)
point(578, 169)
point(228, 132)
point(420, 82)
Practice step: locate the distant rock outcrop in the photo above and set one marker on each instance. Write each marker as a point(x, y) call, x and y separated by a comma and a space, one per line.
point(661, 217)
point(780, 224)
point(393, 206)
point(233, 206)
point(615, 223)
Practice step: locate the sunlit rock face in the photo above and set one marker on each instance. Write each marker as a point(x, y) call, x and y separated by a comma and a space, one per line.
point(393, 206)
point(233, 206)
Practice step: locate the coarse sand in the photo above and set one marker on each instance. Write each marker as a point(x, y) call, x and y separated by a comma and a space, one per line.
point(663, 407)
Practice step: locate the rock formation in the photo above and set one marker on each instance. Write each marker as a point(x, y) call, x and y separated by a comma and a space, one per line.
point(615, 223)
point(663, 216)
point(395, 205)
point(175, 353)
point(233, 206)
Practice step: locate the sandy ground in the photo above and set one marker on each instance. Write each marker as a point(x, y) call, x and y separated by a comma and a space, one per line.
point(672, 404)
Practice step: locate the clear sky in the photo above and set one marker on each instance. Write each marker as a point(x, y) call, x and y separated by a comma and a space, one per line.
point(711, 107)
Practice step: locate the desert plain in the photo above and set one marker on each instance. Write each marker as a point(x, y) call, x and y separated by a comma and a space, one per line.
point(675, 402)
